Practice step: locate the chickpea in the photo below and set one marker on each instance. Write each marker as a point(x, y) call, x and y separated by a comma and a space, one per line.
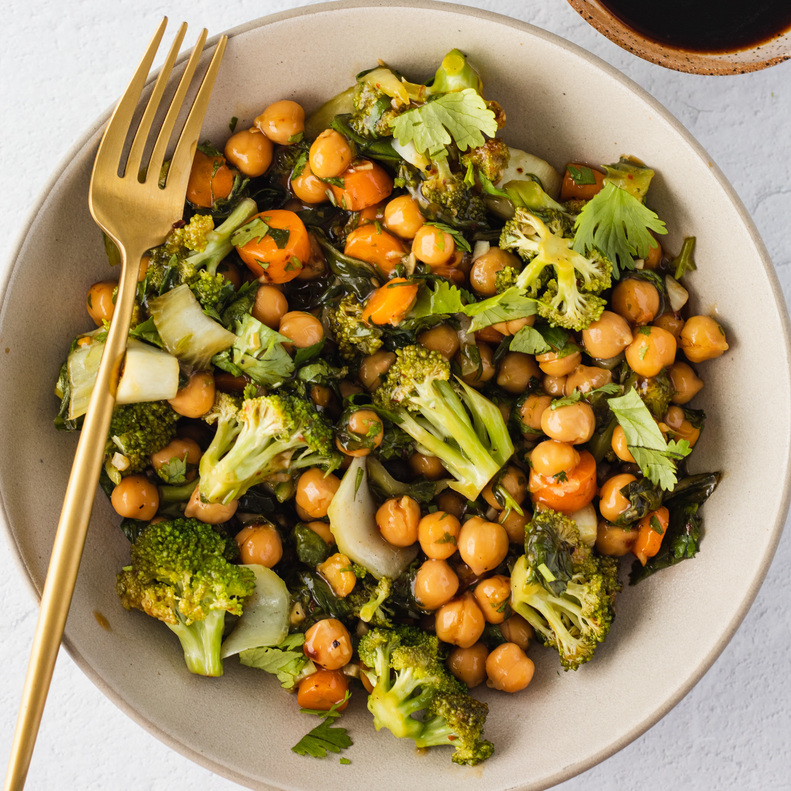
point(482, 545)
point(211, 513)
point(573, 423)
point(438, 534)
point(302, 329)
point(607, 337)
point(282, 122)
point(328, 644)
point(397, 519)
point(493, 595)
point(685, 381)
point(619, 446)
point(532, 408)
point(485, 268)
point(680, 428)
point(250, 152)
point(196, 398)
point(554, 385)
point(186, 450)
point(513, 481)
point(670, 322)
point(514, 524)
point(469, 664)
point(428, 466)
point(347, 388)
point(513, 326)
point(435, 584)
point(586, 378)
point(517, 630)
point(451, 502)
point(702, 339)
point(484, 372)
point(101, 301)
point(611, 502)
point(460, 621)
point(270, 306)
point(651, 350)
point(515, 372)
point(489, 335)
point(135, 498)
point(552, 457)
point(321, 395)
point(433, 246)
point(636, 300)
point(365, 432)
point(315, 491)
point(442, 338)
point(309, 188)
point(553, 364)
point(261, 544)
point(402, 217)
point(508, 668)
point(322, 529)
point(337, 570)
point(614, 541)
point(330, 154)
point(322, 690)
point(374, 367)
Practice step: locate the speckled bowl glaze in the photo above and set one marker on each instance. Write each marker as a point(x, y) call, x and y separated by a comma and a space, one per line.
point(761, 56)
point(676, 623)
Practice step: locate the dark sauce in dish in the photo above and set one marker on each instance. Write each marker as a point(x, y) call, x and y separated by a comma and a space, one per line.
point(705, 25)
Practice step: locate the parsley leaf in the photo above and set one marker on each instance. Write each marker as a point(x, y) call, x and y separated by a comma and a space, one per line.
point(325, 737)
point(655, 457)
point(617, 224)
point(461, 116)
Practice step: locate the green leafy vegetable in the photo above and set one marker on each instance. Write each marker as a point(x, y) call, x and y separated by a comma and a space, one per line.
point(617, 224)
point(581, 175)
point(509, 305)
point(684, 262)
point(287, 661)
point(256, 230)
point(529, 341)
point(325, 737)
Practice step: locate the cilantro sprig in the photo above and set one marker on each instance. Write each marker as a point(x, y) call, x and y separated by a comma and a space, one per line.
point(655, 457)
point(617, 224)
point(325, 737)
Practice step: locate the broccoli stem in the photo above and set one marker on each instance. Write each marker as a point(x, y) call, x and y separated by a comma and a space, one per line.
point(201, 642)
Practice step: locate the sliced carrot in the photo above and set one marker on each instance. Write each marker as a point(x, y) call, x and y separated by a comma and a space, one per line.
point(278, 257)
point(649, 539)
point(322, 690)
point(571, 189)
point(375, 246)
point(391, 303)
point(364, 184)
point(210, 180)
point(570, 494)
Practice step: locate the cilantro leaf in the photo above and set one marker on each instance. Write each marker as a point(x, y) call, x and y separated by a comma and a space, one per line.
point(174, 470)
point(325, 737)
point(511, 304)
point(461, 117)
point(287, 661)
point(617, 224)
point(655, 457)
point(442, 299)
point(255, 229)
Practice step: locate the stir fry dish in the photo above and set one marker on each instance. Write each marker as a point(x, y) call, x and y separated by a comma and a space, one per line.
point(399, 404)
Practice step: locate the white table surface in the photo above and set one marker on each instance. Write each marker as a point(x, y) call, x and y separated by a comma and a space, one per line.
point(61, 64)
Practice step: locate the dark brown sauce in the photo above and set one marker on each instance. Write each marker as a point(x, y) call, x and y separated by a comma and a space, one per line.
point(705, 25)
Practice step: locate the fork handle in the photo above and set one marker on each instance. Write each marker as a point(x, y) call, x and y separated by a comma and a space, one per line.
point(72, 528)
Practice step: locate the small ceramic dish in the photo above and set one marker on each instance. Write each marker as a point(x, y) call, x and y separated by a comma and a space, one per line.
point(562, 104)
point(767, 53)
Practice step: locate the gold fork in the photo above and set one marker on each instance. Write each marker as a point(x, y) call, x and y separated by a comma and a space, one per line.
point(136, 213)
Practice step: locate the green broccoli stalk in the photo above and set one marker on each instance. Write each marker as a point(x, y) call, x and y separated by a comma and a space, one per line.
point(137, 431)
point(181, 574)
point(409, 678)
point(355, 338)
point(276, 434)
point(451, 421)
point(565, 283)
point(562, 589)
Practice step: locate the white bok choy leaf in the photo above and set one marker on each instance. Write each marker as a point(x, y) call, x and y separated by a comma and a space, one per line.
point(352, 514)
point(521, 165)
point(264, 621)
point(186, 331)
point(587, 523)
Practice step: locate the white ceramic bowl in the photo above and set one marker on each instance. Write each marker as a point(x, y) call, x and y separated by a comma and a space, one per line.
point(562, 103)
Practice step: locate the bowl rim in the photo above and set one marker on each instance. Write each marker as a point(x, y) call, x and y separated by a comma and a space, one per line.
point(566, 772)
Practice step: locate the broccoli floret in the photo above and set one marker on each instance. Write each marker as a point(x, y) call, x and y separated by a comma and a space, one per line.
point(372, 610)
point(449, 198)
point(210, 289)
point(410, 678)
point(353, 336)
point(181, 574)
point(451, 421)
point(565, 283)
point(491, 159)
point(562, 589)
point(505, 279)
point(192, 237)
point(267, 435)
point(137, 431)
point(656, 392)
point(373, 111)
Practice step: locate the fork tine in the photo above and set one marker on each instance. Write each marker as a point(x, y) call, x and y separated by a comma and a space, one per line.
point(160, 147)
point(118, 126)
point(181, 163)
point(141, 136)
